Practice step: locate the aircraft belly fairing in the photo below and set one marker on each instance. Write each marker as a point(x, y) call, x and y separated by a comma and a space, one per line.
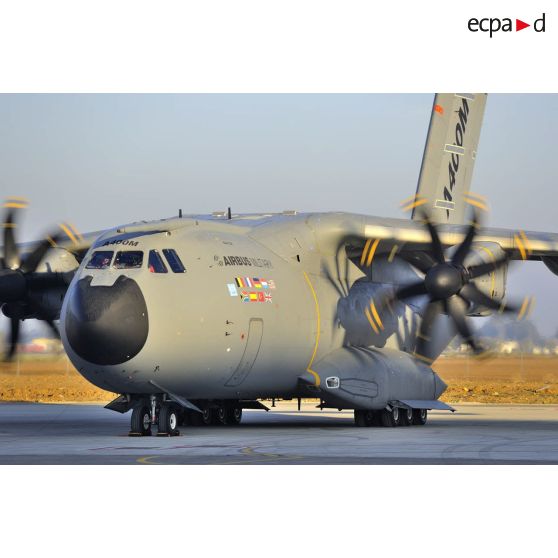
point(367, 378)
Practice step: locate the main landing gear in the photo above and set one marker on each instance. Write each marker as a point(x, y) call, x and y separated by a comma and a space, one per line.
point(216, 415)
point(393, 417)
point(167, 416)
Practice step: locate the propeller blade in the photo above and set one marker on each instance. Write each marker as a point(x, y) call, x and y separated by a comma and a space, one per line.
point(14, 338)
point(414, 289)
point(433, 310)
point(38, 310)
point(436, 246)
point(465, 246)
point(32, 261)
point(53, 328)
point(334, 284)
point(471, 293)
point(422, 261)
point(11, 252)
point(456, 312)
point(482, 269)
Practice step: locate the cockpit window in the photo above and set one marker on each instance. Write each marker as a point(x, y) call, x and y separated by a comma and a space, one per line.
point(131, 259)
point(100, 260)
point(156, 263)
point(174, 261)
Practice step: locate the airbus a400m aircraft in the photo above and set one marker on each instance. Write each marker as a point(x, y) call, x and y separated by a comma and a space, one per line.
point(194, 318)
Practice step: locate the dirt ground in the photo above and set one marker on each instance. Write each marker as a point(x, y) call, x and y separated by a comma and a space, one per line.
point(531, 379)
point(47, 381)
point(528, 379)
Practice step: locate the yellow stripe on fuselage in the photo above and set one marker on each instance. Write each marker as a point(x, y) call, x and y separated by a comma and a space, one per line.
point(318, 326)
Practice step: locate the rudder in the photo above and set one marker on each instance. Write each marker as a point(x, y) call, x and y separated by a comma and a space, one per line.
point(449, 157)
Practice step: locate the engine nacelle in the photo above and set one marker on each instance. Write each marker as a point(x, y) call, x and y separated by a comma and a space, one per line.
point(64, 263)
point(492, 284)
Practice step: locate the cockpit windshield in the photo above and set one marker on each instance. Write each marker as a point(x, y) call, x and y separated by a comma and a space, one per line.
point(174, 260)
point(100, 260)
point(156, 263)
point(131, 259)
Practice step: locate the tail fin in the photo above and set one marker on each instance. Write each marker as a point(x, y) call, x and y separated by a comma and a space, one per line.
point(449, 156)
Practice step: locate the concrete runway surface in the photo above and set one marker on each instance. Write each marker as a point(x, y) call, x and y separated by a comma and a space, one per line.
point(89, 434)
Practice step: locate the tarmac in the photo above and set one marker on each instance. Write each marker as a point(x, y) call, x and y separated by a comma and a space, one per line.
point(33, 433)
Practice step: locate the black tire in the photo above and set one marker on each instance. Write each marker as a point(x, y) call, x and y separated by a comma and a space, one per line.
point(360, 418)
point(141, 421)
point(234, 415)
point(406, 417)
point(391, 418)
point(222, 415)
point(365, 418)
point(168, 419)
point(420, 416)
point(208, 416)
point(374, 418)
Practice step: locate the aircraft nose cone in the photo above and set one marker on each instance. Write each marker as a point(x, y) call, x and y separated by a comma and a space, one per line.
point(106, 325)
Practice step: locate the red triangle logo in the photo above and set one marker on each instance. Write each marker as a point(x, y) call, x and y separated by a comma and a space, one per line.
point(519, 25)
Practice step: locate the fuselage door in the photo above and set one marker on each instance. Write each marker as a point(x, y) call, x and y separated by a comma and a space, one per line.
point(253, 344)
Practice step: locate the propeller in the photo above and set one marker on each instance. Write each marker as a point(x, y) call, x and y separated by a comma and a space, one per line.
point(449, 285)
point(19, 279)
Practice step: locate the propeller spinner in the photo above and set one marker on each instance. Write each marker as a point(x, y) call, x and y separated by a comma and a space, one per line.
point(450, 287)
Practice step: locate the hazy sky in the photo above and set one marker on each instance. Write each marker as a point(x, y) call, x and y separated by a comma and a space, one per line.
point(103, 160)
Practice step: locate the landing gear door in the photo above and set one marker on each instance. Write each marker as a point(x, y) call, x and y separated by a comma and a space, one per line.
point(253, 343)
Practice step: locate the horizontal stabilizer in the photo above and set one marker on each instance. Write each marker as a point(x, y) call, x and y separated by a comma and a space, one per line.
point(422, 404)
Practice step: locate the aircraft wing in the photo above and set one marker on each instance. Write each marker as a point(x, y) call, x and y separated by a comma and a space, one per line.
point(367, 237)
point(75, 243)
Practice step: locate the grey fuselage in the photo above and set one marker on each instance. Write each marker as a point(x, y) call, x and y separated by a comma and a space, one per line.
point(263, 303)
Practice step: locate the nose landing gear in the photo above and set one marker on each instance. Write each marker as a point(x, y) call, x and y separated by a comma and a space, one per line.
point(168, 420)
point(163, 414)
point(168, 416)
point(141, 421)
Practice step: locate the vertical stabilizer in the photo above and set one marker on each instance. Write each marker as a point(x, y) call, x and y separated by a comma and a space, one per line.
point(449, 157)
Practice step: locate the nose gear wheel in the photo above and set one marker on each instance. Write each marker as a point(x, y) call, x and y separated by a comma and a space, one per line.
point(141, 421)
